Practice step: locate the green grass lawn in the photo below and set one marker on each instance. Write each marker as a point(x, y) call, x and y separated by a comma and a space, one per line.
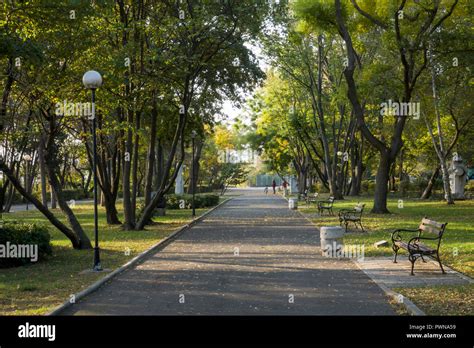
point(38, 288)
point(457, 246)
point(442, 300)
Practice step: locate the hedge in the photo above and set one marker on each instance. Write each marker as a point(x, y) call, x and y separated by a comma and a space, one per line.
point(14, 234)
point(200, 201)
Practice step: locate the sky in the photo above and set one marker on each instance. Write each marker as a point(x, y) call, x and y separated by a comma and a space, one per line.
point(230, 111)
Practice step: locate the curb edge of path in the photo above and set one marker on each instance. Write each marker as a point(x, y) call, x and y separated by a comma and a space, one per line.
point(412, 308)
point(154, 248)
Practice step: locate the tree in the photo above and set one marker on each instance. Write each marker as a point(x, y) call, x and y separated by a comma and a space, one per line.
point(206, 56)
point(410, 41)
point(232, 174)
point(40, 76)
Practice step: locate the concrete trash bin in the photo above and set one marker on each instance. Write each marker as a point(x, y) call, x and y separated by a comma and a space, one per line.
point(331, 240)
point(292, 204)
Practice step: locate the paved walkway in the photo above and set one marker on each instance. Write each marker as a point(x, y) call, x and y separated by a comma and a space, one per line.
point(252, 256)
point(397, 275)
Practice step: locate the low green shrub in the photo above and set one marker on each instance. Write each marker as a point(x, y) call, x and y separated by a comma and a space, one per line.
point(174, 201)
point(200, 201)
point(367, 186)
point(469, 186)
point(69, 194)
point(319, 187)
point(14, 234)
point(76, 195)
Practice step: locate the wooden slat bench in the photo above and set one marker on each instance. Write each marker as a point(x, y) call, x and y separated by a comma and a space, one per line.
point(311, 197)
point(303, 196)
point(326, 205)
point(352, 215)
point(414, 246)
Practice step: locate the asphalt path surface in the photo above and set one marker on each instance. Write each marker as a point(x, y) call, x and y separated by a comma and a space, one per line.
point(252, 256)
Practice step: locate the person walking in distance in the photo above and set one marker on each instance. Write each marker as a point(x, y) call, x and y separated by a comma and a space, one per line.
point(266, 190)
point(274, 184)
point(285, 188)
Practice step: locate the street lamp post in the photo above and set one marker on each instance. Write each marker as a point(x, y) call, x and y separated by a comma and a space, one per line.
point(27, 158)
point(92, 80)
point(193, 176)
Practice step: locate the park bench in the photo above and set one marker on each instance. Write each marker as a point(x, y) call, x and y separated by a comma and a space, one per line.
point(326, 205)
point(352, 215)
point(311, 197)
point(303, 196)
point(416, 249)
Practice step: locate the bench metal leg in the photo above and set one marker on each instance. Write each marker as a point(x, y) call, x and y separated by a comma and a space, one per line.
point(395, 249)
point(412, 260)
point(440, 264)
point(360, 223)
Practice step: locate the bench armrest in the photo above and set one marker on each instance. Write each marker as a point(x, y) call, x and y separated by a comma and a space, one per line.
point(344, 211)
point(397, 236)
point(324, 202)
point(413, 243)
point(347, 212)
point(427, 238)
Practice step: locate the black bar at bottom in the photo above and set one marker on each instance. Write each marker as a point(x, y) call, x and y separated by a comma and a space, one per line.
point(135, 331)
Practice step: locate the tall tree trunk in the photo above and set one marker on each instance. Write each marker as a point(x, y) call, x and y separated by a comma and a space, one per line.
point(54, 201)
point(168, 178)
point(3, 192)
point(356, 168)
point(129, 222)
point(110, 209)
point(125, 13)
point(9, 198)
point(87, 184)
point(195, 166)
point(429, 187)
point(76, 240)
point(100, 193)
point(109, 163)
point(84, 241)
point(135, 183)
point(43, 180)
point(381, 184)
point(391, 181)
point(50, 155)
point(160, 165)
point(151, 153)
point(7, 87)
point(318, 105)
point(160, 168)
point(387, 154)
point(401, 174)
point(440, 148)
point(446, 186)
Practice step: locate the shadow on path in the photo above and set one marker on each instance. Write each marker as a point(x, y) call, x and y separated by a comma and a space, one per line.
point(252, 256)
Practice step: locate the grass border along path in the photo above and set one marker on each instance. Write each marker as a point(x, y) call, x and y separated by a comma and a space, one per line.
point(37, 289)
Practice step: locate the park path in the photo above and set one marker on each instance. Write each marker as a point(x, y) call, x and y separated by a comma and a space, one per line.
point(252, 256)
